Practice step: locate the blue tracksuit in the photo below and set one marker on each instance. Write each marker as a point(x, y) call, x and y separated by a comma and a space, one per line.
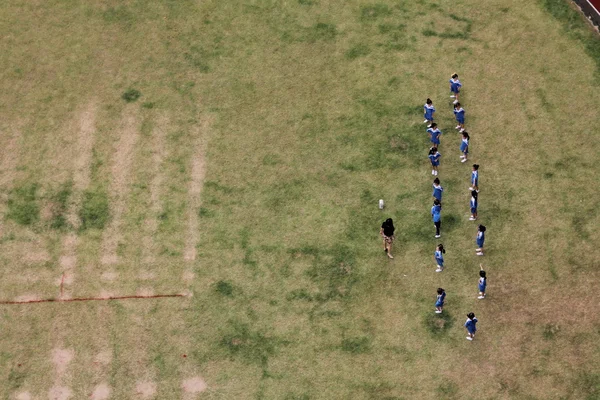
point(437, 192)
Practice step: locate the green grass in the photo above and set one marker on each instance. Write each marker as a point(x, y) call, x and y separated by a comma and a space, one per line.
point(309, 112)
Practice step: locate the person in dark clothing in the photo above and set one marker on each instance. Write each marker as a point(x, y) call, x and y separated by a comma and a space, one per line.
point(387, 232)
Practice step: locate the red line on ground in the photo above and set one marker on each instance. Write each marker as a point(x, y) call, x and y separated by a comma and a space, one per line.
point(156, 296)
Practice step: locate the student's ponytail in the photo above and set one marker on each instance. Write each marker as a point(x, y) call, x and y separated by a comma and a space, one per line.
point(429, 101)
point(441, 247)
point(466, 135)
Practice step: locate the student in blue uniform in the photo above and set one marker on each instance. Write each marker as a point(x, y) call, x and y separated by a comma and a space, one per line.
point(480, 240)
point(439, 301)
point(437, 189)
point(429, 110)
point(482, 283)
point(439, 257)
point(459, 113)
point(475, 178)
point(473, 205)
point(464, 146)
point(436, 215)
point(434, 157)
point(434, 134)
point(470, 324)
point(455, 86)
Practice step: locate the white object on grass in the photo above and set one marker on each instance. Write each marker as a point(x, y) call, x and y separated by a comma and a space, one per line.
point(381, 204)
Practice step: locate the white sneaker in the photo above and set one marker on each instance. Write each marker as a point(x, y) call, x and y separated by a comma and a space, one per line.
point(453, 96)
point(463, 160)
point(432, 172)
point(438, 312)
point(472, 219)
point(481, 297)
point(438, 270)
point(461, 130)
point(469, 338)
point(471, 188)
point(455, 101)
point(439, 236)
point(479, 254)
point(426, 121)
point(429, 126)
point(457, 127)
point(462, 156)
point(435, 173)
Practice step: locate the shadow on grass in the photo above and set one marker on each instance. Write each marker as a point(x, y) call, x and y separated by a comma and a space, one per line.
point(438, 325)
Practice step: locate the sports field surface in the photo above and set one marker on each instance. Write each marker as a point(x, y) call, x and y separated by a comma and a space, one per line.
point(231, 154)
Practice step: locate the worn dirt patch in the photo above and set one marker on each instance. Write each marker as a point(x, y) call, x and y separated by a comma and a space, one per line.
point(145, 292)
point(36, 257)
point(188, 276)
point(101, 392)
point(121, 170)
point(68, 260)
point(109, 276)
point(103, 358)
point(23, 396)
point(159, 153)
point(147, 275)
point(83, 160)
point(146, 390)
point(61, 359)
point(194, 385)
point(59, 393)
point(195, 189)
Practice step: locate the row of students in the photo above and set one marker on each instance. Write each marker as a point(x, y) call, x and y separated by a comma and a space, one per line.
point(387, 234)
point(459, 114)
point(434, 154)
point(474, 188)
point(455, 86)
point(471, 322)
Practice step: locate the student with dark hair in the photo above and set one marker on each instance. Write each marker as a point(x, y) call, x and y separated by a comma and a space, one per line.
point(482, 282)
point(439, 257)
point(429, 110)
point(464, 146)
point(459, 113)
point(439, 301)
point(470, 324)
point(475, 178)
point(436, 215)
point(387, 232)
point(434, 157)
point(480, 240)
point(437, 189)
point(455, 86)
point(473, 205)
point(434, 134)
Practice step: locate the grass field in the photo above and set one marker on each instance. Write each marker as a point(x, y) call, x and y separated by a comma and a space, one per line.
point(235, 151)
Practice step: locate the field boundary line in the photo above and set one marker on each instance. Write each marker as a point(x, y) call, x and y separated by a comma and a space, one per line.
point(129, 297)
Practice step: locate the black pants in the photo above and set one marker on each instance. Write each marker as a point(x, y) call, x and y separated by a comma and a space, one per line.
point(438, 225)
